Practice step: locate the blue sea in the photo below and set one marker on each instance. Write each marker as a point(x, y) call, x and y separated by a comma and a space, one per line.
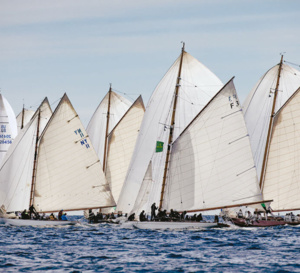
point(109, 248)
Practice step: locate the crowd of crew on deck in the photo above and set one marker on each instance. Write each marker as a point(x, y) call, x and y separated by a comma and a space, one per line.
point(34, 215)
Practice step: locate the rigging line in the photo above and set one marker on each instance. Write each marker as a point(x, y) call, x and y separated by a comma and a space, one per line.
point(238, 139)
point(125, 94)
point(246, 197)
point(291, 63)
point(56, 101)
point(245, 171)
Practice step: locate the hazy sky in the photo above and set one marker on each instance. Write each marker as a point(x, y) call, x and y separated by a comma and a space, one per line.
point(79, 47)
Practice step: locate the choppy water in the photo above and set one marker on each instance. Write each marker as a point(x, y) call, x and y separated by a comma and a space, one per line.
point(109, 248)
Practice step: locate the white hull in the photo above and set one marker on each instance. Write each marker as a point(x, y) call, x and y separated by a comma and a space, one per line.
point(29, 222)
point(169, 225)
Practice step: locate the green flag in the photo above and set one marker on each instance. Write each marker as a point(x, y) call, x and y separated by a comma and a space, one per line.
point(159, 146)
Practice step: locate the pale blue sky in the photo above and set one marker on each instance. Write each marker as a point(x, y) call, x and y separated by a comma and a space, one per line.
point(79, 47)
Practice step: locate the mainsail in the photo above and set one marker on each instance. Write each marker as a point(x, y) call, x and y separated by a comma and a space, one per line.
point(197, 86)
point(24, 117)
point(8, 126)
point(267, 111)
point(69, 175)
point(211, 164)
point(121, 142)
point(107, 115)
point(17, 168)
point(259, 103)
point(282, 179)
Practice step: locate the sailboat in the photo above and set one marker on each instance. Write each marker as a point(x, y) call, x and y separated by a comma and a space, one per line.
point(53, 170)
point(193, 152)
point(8, 126)
point(113, 130)
point(272, 117)
point(24, 117)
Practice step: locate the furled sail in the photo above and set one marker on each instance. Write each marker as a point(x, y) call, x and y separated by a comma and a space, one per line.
point(282, 179)
point(211, 162)
point(8, 126)
point(121, 142)
point(17, 167)
point(69, 175)
point(197, 86)
point(23, 118)
point(258, 106)
point(96, 128)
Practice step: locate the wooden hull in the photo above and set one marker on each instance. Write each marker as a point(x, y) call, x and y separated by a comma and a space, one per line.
point(172, 225)
point(29, 222)
point(257, 223)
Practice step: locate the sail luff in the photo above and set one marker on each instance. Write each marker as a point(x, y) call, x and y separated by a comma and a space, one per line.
point(263, 170)
point(106, 130)
point(171, 129)
point(35, 159)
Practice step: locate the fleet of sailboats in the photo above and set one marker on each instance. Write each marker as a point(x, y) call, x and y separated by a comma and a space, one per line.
point(193, 149)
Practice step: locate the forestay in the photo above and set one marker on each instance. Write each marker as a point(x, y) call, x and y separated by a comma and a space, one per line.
point(17, 168)
point(198, 86)
point(69, 175)
point(211, 161)
point(96, 128)
point(258, 106)
point(121, 142)
point(8, 126)
point(282, 171)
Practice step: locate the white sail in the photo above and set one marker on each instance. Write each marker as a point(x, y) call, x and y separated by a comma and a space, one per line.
point(17, 167)
point(143, 196)
point(198, 86)
point(69, 175)
point(24, 117)
point(258, 106)
point(8, 126)
point(96, 128)
point(283, 166)
point(121, 142)
point(211, 162)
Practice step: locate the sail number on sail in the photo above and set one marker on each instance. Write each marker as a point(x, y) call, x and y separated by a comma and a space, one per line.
point(83, 141)
point(4, 138)
point(233, 101)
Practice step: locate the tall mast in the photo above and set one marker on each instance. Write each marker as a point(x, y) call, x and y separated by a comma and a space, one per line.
point(262, 175)
point(171, 129)
point(35, 160)
point(23, 112)
point(106, 131)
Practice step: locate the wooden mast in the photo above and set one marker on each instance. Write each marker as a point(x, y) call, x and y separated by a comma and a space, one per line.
point(35, 160)
point(23, 113)
point(171, 129)
point(106, 131)
point(266, 153)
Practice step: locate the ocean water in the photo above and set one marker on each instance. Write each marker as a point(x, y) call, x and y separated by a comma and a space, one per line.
point(109, 248)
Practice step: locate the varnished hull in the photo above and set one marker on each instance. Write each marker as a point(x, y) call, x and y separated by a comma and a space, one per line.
point(257, 223)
